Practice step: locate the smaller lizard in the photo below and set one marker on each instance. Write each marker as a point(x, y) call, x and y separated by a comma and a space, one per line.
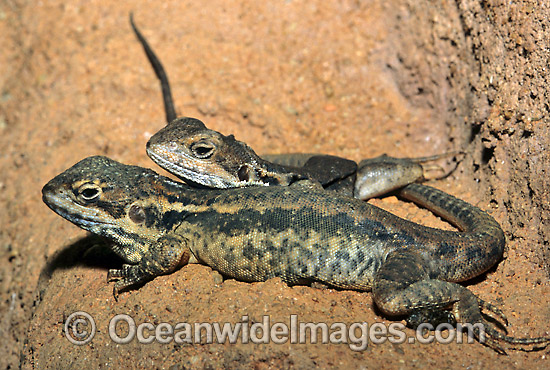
point(298, 233)
point(198, 155)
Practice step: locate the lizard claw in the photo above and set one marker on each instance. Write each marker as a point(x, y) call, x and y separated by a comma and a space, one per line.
point(115, 293)
point(487, 333)
point(119, 286)
point(431, 168)
point(116, 274)
point(491, 308)
point(491, 336)
point(436, 171)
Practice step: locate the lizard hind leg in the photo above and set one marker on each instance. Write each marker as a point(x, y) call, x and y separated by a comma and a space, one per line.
point(403, 286)
point(381, 175)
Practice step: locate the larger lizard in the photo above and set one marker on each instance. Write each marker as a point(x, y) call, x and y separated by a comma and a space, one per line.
point(297, 233)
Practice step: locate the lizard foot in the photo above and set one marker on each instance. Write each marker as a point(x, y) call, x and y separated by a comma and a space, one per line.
point(469, 317)
point(439, 171)
point(125, 277)
point(434, 317)
point(403, 286)
point(383, 174)
point(115, 274)
point(467, 310)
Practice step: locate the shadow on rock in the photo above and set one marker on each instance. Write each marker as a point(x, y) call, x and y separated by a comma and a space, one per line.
point(90, 251)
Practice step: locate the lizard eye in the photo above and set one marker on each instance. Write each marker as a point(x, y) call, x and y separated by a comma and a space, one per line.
point(89, 193)
point(203, 149)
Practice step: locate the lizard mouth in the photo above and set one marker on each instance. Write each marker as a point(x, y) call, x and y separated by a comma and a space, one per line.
point(190, 173)
point(79, 215)
point(184, 172)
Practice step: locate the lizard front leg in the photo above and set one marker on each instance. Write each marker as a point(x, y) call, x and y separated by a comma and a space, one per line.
point(405, 285)
point(169, 253)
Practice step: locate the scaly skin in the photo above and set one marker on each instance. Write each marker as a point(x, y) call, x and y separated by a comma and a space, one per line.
point(297, 233)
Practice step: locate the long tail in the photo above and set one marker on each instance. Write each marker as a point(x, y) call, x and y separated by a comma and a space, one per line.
point(159, 71)
point(481, 244)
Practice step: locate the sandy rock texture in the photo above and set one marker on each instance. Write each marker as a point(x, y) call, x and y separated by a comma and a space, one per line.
point(349, 78)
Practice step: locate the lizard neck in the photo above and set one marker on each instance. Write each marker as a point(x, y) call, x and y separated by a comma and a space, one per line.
point(269, 174)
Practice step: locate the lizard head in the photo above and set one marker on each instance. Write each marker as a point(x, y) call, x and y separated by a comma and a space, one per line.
point(121, 202)
point(191, 151)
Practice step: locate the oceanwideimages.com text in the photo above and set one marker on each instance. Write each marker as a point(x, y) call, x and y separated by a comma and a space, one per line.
point(80, 329)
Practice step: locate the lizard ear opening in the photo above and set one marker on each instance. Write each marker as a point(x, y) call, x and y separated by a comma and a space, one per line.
point(136, 214)
point(244, 173)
